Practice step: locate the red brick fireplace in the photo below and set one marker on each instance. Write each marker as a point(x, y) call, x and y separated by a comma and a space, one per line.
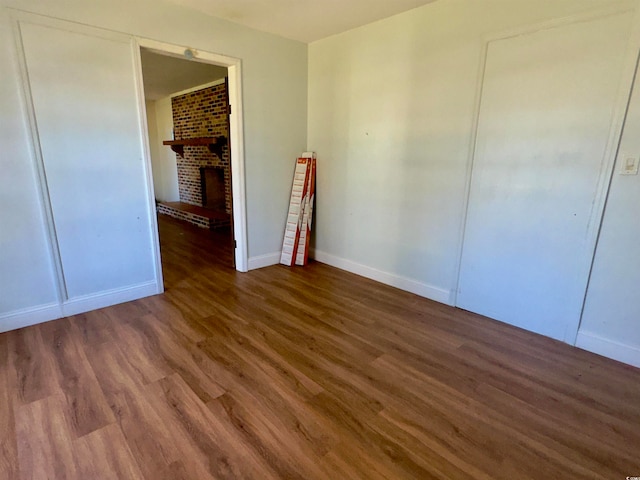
point(204, 177)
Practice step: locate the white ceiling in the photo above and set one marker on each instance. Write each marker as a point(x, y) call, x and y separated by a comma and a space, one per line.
point(163, 75)
point(303, 20)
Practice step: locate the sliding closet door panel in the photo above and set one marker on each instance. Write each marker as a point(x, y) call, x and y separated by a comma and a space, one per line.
point(545, 115)
point(83, 91)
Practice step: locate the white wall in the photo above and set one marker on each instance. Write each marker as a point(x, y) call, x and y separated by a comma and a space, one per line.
point(392, 147)
point(163, 159)
point(543, 129)
point(391, 110)
point(274, 89)
point(152, 131)
point(167, 162)
point(26, 270)
point(611, 318)
point(95, 174)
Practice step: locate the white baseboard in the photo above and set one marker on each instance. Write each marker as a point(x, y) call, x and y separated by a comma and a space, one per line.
point(609, 348)
point(44, 313)
point(424, 290)
point(261, 261)
point(29, 316)
point(95, 301)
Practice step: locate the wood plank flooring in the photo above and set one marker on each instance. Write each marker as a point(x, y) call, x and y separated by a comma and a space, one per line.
point(303, 373)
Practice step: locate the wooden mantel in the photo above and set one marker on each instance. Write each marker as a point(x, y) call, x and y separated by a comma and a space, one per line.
point(215, 144)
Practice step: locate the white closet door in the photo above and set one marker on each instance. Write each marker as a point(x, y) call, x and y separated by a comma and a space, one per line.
point(545, 115)
point(83, 91)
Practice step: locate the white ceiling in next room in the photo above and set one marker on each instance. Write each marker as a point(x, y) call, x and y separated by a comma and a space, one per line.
point(164, 75)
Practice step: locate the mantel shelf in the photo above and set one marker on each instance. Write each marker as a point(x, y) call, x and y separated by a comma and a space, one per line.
point(215, 144)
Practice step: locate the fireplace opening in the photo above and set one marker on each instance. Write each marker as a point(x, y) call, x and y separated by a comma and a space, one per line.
point(212, 182)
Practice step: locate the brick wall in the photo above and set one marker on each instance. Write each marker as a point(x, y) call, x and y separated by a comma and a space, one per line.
point(202, 113)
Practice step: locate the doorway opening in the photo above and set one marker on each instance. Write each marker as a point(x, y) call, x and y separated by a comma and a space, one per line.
point(195, 155)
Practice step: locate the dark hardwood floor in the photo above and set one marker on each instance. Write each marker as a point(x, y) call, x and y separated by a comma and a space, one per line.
point(303, 373)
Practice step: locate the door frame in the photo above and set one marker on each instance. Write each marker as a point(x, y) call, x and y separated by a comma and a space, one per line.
point(618, 117)
point(236, 139)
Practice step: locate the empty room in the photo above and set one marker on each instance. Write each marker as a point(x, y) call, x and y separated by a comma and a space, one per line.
point(467, 301)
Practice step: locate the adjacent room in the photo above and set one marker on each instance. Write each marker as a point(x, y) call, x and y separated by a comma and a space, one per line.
point(470, 308)
point(187, 113)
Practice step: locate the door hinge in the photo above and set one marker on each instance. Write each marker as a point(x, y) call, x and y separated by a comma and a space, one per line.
point(235, 244)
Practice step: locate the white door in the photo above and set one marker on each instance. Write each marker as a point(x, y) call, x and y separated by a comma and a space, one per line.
point(545, 114)
point(85, 105)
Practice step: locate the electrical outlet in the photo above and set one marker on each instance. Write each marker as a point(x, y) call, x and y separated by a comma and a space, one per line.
point(629, 165)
